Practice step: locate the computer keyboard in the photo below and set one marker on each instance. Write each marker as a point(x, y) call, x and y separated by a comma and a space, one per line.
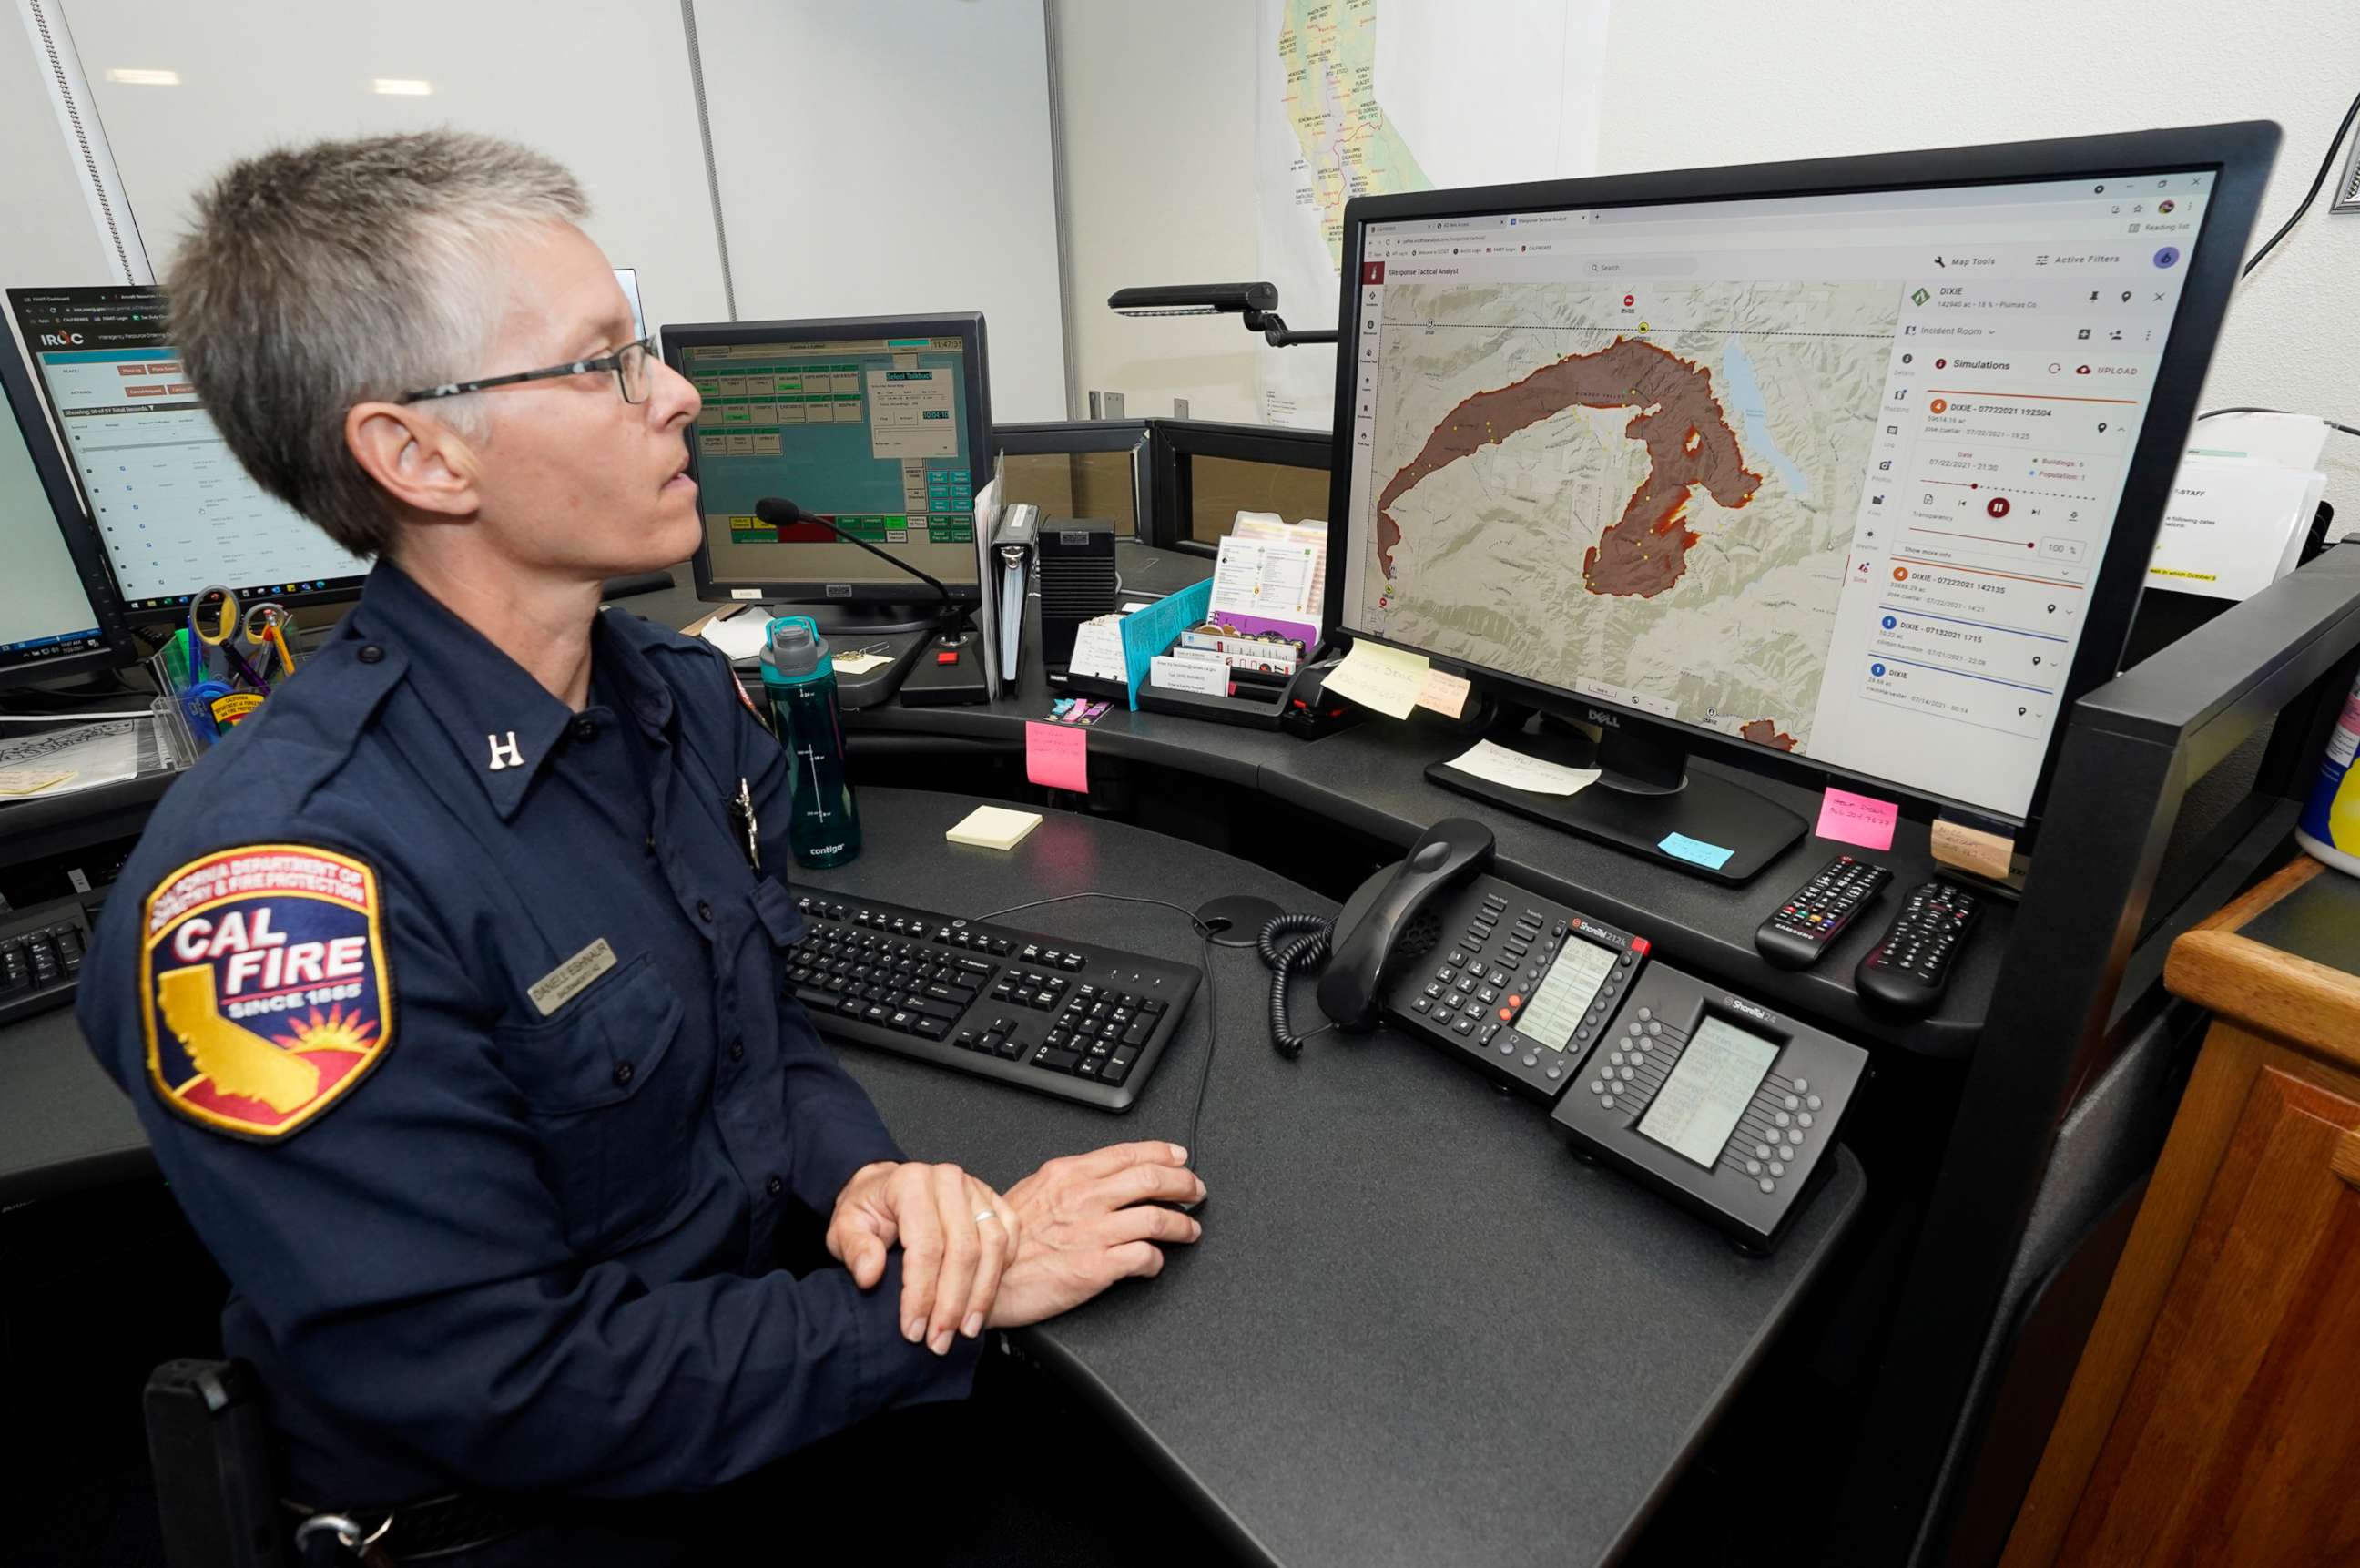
point(1073, 1019)
point(40, 958)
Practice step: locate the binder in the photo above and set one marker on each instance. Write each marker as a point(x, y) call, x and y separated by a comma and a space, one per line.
point(1013, 544)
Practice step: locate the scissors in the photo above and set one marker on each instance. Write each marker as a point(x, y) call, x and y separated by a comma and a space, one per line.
point(228, 629)
point(264, 625)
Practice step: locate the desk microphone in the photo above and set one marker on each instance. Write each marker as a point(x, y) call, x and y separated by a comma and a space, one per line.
point(779, 512)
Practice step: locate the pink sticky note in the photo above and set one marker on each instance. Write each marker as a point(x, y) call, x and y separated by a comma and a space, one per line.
point(1057, 756)
point(1850, 818)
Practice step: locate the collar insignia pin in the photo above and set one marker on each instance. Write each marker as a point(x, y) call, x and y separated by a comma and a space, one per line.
point(505, 753)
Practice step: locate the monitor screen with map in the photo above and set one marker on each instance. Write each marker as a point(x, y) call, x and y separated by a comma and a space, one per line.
point(1832, 473)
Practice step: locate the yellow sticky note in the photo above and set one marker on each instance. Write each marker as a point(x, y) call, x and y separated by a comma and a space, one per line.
point(1972, 849)
point(1384, 680)
point(993, 827)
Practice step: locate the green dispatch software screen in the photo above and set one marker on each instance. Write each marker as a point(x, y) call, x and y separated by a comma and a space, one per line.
point(872, 433)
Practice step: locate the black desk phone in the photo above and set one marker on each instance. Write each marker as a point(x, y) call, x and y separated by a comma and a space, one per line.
point(1716, 1101)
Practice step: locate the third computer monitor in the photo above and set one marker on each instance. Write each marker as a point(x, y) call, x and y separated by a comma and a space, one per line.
point(1857, 462)
point(57, 616)
point(880, 423)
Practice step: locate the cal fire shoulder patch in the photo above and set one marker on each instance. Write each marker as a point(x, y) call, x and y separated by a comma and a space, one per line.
point(263, 987)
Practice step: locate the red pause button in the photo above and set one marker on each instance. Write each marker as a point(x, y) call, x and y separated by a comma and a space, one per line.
point(1996, 506)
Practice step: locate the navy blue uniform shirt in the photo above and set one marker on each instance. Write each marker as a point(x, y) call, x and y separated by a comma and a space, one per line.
point(457, 1023)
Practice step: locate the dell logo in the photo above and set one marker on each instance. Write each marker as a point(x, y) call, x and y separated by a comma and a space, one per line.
point(839, 590)
point(1599, 716)
point(61, 339)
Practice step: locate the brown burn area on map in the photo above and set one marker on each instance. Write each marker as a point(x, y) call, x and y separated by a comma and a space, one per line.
point(1765, 732)
point(1688, 441)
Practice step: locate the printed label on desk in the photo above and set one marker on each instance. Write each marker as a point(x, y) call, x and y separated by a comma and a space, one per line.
point(1204, 677)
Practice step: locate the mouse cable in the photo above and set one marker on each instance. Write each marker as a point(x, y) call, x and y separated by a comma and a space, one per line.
point(1212, 996)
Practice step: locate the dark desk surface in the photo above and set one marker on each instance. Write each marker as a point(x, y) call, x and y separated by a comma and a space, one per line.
point(1417, 1330)
point(1372, 778)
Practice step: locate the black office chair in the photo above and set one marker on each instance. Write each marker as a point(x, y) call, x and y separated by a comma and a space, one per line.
point(215, 1490)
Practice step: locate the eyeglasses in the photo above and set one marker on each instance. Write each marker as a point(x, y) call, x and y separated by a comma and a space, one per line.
point(630, 363)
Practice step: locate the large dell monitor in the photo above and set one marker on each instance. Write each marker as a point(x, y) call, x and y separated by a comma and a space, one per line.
point(881, 424)
point(1848, 470)
point(58, 615)
point(176, 511)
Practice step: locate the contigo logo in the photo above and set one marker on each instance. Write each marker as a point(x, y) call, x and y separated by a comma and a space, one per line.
point(60, 340)
point(1740, 1004)
point(1599, 716)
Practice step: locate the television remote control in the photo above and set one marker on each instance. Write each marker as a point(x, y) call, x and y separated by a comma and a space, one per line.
point(1816, 912)
point(1910, 968)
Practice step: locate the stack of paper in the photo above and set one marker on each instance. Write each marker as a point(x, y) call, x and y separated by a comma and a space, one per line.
point(1268, 579)
point(2241, 505)
point(1097, 649)
point(2230, 529)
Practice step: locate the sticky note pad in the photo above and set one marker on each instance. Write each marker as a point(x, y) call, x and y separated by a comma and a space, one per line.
point(1695, 851)
point(1850, 818)
point(1057, 756)
point(993, 827)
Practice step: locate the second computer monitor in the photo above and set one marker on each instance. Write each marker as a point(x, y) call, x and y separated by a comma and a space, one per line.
point(882, 424)
point(176, 512)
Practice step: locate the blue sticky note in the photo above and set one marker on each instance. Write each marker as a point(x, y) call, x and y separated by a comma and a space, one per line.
point(1152, 631)
point(1695, 851)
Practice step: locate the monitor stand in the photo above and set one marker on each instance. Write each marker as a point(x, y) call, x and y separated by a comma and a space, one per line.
point(1646, 800)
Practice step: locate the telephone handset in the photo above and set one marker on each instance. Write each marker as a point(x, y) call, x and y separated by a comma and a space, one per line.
point(1387, 925)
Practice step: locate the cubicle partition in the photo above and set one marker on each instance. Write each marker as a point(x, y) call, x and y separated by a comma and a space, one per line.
point(2119, 876)
point(1173, 484)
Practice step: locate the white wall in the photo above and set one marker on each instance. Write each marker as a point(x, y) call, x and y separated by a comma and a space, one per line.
point(875, 158)
point(1157, 102)
point(882, 159)
point(1158, 109)
point(615, 106)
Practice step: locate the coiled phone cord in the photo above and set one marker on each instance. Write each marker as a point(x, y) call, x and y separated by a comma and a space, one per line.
point(1308, 951)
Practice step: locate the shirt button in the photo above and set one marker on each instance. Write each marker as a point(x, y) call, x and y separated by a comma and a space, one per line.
point(736, 1050)
point(371, 653)
point(652, 843)
point(705, 912)
point(586, 729)
point(623, 1071)
point(774, 1187)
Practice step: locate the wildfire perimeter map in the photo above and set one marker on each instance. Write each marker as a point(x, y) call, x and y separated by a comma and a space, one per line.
point(1666, 509)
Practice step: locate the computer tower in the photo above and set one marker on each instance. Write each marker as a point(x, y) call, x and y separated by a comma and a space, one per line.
point(1075, 562)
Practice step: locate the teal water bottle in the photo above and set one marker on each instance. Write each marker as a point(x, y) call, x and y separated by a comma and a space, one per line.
point(799, 679)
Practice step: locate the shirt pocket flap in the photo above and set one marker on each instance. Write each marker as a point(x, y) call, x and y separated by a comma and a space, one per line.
point(776, 908)
point(601, 1047)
